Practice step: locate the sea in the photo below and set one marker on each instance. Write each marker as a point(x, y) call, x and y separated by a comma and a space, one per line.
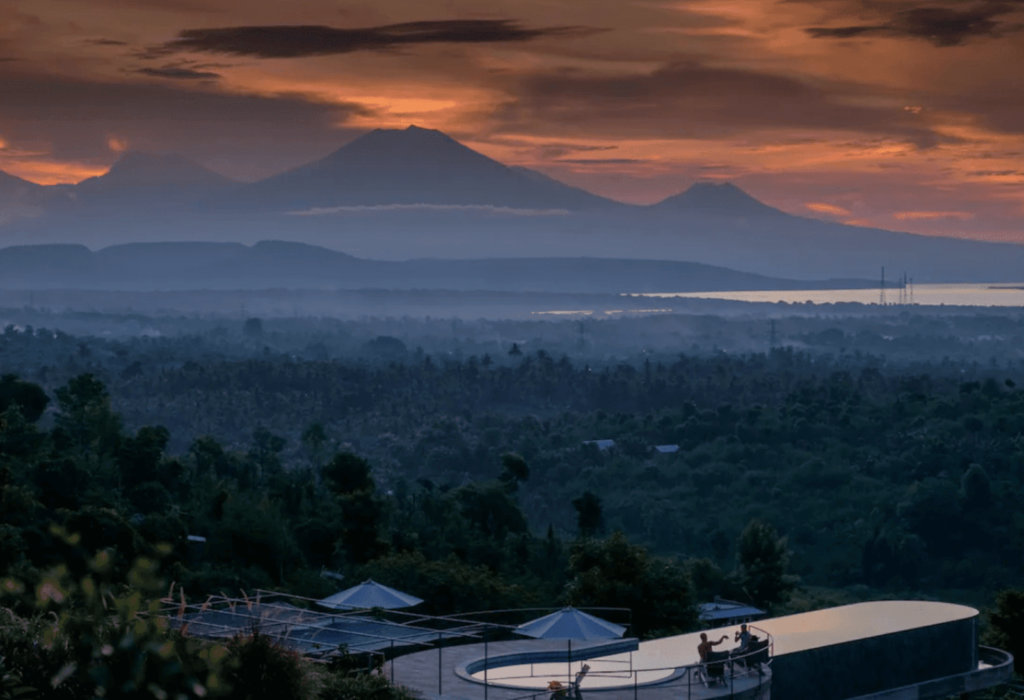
point(923, 294)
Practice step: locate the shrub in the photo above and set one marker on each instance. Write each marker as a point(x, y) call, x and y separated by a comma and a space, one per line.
point(257, 668)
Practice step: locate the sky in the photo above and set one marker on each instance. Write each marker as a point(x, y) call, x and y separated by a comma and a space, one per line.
point(901, 114)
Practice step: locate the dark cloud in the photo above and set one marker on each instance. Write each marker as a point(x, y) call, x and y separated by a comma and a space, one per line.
point(993, 106)
point(690, 100)
point(244, 136)
point(7, 59)
point(555, 151)
point(313, 40)
point(179, 73)
point(106, 42)
point(942, 26)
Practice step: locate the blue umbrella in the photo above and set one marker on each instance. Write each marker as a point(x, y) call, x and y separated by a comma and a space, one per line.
point(570, 623)
point(369, 594)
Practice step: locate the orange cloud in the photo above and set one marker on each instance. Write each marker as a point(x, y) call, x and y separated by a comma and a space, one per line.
point(117, 145)
point(823, 208)
point(917, 215)
point(52, 172)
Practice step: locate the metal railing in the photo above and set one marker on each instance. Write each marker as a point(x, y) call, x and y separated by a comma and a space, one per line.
point(696, 678)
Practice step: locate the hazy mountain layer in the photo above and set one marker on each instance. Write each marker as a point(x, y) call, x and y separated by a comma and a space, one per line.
point(277, 264)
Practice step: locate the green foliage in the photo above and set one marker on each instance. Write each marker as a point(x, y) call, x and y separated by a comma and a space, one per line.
point(28, 398)
point(589, 514)
point(762, 558)
point(347, 474)
point(19, 437)
point(1006, 625)
point(707, 580)
point(514, 470)
point(490, 509)
point(257, 668)
point(11, 685)
point(139, 457)
point(363, 686)
point(976, 488)
point(616, 574)
point(255, 532)
point(886, 479)
point(446, 586)
point(85, 416)
point(98, 640)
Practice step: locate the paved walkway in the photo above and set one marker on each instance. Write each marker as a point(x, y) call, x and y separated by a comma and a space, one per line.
point(419, 672)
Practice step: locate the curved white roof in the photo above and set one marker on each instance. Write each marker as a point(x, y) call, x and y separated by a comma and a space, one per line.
point(790, 634)
point(849, 623)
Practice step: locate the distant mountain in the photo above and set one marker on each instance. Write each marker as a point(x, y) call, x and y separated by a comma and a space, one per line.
point(11, 185)
point(19, 198)
point(138, 169)
point(280, 264)
point(415, 166)
point(715, 199)
point(147, 179)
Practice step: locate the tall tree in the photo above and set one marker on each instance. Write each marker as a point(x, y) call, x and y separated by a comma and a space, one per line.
point(85, 417)
point(514, 471)
point(589, 514)
point(762, 558)
point(1006, 625)
point(615, 573)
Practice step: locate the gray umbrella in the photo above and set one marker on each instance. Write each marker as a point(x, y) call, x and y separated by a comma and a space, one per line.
point(569, 624)
point(369, 594)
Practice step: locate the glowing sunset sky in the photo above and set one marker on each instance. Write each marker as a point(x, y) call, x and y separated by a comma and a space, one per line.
point(903, 114)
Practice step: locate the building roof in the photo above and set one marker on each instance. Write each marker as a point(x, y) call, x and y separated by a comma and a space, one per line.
point(601, 444)
point(666, 449)
point(723, 609)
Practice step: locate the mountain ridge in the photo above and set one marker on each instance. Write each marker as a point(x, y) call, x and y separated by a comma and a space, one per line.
point(414, 166)
point(717, 199)
point(282, 264)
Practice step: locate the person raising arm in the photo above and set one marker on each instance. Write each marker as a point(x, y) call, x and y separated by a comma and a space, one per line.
point(705, 646)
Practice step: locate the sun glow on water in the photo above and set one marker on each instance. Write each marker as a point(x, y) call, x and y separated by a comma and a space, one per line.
point(923, 295)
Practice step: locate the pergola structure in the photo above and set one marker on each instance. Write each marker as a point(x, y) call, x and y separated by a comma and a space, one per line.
point(293, 622)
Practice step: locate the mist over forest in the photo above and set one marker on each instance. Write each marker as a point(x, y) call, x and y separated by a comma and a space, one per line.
point(883, 442)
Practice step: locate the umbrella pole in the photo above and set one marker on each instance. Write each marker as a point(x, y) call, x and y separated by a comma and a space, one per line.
point(569, 668)
point(485, 666)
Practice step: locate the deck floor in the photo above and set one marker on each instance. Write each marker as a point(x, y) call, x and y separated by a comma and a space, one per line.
point(419, 672)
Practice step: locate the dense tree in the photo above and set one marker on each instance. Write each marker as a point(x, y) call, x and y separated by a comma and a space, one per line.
point(614, 573)
point(762, 558)
point(30, 398)
point(903, 476)
point(347, 474)
point(1006, 623)
point(514, 470)
point(86, 418)
point(589, 514)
